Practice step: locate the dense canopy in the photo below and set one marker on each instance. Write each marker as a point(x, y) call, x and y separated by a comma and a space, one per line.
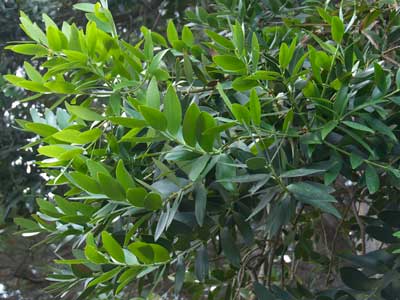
point(253, 152)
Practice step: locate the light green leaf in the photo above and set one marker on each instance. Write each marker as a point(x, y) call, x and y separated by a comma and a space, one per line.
point(123, 176)
point(149, 253)
point(153, 94)
point(111, 187)
point(172, 33)
point(128, 122)
point(29, 49)
point(241, 113)
point(94, 256)
point(76, 137)
point(255, 108)
point(154, 117)
point(136, 196)
point(153, 201)
point(83, 113)
point(32, 73)
point(187, 36)
point(337, 29)
point(230, 63)
point(112, 247)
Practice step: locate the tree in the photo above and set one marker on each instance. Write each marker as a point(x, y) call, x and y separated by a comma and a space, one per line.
point(235, 158)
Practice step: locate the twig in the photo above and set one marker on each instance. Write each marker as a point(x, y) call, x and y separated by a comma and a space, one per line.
point(362, 227)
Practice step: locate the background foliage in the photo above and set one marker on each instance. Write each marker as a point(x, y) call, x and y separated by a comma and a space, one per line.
point(238, 156)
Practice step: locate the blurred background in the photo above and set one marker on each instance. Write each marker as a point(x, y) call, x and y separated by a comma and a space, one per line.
point(23, 262)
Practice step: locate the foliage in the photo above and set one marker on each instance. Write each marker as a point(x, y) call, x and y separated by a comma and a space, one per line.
point(232, 159)
point(19, 178)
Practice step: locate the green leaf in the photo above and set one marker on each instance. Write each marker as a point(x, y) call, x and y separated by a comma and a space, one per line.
point(224, 96)
point(94, 256)
point(187, 36)
point(255, 51)
point(172, 33)
point(262, 292)
point(153, 94)
point(398, 79)
point(337, 29)
point(149, 253)
point(29, 49)
point(256, 163)
point(26, 84)
point(123, 176)
point(229, 247)
point(201, 264)
point(86, 7)
point(327, 128)
point(187, 67)
point(358, 126)
point(356, 280)
point(241, 113)
point(148, 43)
point(197, 166)
point(54, 38)
point(96, 167)
point(172, 110)
point(154, 117)
point(342, 100)
point(225, 171)
point(242, 84)
point(222, 41)
point(355, 160)
point(153, 201)
point(76, 137)
point(189, 124)
point(380, 79)
point(136, 196)
point(255, 108)
point(128, 122)
point(238, 37)
point(179, 275)
point(32, 73)
point(264, 75)
point(372, 179)
point(284, 58)
point(300, 172)
point(314, 195)
point(104, 277)
point(41, 129)
point(83, 113)
point(200, 199)
point(111, 187)
point(204, 122)
point(61, 152)
point(230, 63)
point(112, 247)
point(32, 29)
point(60, 87)
point(85, 182)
